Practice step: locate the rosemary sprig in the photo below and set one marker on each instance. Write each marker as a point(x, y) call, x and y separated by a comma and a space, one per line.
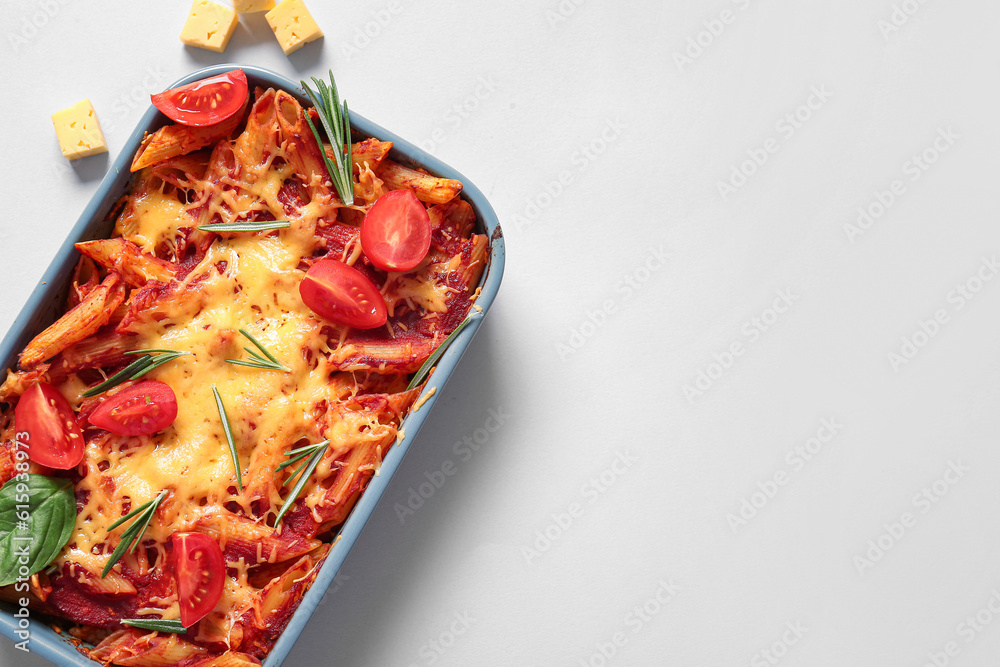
point(271, 363)
point(229, 436)
point(305, 448)
point(263, 226)
point(294, 493)
point(159, 360)
point(142, 515)
point(436, 354)
point(336, 121)
point(123, 375)
point(304, 472)
point(157, 624)
point(149, 360)
point(299, 454)
point(297, 470)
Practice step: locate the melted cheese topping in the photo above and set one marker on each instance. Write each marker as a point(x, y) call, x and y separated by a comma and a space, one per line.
point(246, 281)
point(430, 295)
point(158, 220)
point(242, 281)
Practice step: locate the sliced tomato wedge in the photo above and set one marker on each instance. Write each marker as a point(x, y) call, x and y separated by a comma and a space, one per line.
point(396, 231)
point(342, 294)
point(200, 572)
point(52, 435)
point(205, 102)
point(142, 409)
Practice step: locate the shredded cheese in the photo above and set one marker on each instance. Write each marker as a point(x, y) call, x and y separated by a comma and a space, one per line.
point(246, 281)
point(423, 399)
point(221, 285)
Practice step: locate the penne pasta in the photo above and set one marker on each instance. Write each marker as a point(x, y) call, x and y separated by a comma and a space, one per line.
point(230, 659)
point(125, 257)
point(304, 154)
point(104, 349)
point(17, 382)
point(112, 584)
point(85, 279)
point(270, 415)
point(182, 171)
point(172, 141)
point(429, 189)
point(369, 152)
point(451, 222)
point(132, 648)
point(81, 321)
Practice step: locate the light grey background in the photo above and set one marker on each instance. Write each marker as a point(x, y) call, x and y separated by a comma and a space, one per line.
point(601, 133)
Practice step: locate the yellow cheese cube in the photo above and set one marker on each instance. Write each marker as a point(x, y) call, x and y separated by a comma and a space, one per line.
point(248, 6)
point(209, 26)
point(292, 25)
point(79, 131)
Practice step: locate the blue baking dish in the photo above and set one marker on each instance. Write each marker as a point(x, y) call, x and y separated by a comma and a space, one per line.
point(46, 301)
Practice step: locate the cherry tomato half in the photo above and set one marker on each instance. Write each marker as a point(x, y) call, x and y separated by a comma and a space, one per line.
point(342, 294)
point(204, 102)
point(396, 232)
point(54, 439)
point(142, 409)
point(200, 572)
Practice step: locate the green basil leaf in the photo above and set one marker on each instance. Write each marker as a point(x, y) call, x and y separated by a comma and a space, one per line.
point(49, 506)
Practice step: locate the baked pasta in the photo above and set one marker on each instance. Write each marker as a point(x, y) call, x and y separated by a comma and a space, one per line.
point(276, 412)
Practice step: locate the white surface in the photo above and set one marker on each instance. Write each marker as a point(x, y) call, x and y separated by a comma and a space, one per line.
point(672, 133)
